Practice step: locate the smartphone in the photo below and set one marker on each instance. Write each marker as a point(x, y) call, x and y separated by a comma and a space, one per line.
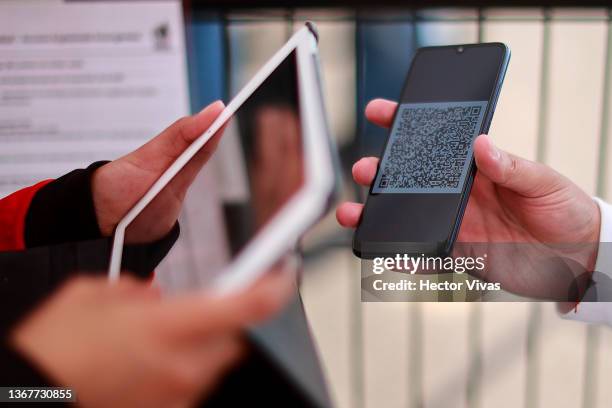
point(416, 203)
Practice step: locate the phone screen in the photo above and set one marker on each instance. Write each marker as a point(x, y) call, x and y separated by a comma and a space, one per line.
point(425, 173)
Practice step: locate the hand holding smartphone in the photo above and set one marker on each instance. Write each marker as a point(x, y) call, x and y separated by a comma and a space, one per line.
point(418, 197)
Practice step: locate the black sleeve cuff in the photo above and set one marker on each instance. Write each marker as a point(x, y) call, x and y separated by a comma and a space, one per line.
point(17, 371)
point(142, 259)
point(63, 211)
point(27, 277)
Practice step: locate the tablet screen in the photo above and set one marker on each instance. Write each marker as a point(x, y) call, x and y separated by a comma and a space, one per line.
point(257, 168)
point(265, 166)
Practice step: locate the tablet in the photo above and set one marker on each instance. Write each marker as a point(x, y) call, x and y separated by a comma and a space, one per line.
point(287, 171)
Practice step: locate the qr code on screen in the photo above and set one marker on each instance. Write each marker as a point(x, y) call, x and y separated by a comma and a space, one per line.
point(429, 148)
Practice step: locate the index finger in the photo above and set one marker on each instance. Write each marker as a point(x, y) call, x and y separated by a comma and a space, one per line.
point(380, 112)
point(201, 314)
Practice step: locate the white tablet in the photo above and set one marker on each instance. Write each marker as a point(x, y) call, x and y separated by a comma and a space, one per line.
point(287, 168)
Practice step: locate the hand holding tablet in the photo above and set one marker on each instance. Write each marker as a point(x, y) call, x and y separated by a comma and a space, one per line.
point(279, 124)
point(130, 176)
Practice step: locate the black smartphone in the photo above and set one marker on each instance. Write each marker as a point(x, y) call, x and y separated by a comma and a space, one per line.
point(417, 200)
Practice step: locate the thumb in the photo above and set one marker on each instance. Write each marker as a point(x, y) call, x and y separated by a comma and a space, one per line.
point(169, 144)
point(519, 175)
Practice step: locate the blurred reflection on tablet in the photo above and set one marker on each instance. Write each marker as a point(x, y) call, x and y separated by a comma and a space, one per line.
point(272, 152)
point(276, 162)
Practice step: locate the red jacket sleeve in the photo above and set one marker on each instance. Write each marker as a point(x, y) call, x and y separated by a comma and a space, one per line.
point(13, 211)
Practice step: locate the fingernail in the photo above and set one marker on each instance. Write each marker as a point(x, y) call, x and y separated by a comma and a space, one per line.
point(289, 279)
point(278, 286)
point(289, 266)
point(291, 270)
point(218, 102)
point(495, 152)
